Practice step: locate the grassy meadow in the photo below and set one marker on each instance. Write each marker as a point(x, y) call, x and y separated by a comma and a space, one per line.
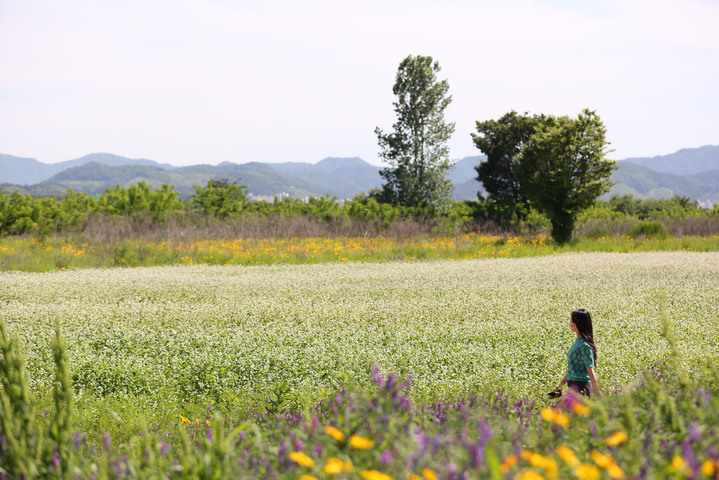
point(155, 349)
point(63, 253)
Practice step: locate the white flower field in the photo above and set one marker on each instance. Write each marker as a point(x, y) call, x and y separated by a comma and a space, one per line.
point(194, 334)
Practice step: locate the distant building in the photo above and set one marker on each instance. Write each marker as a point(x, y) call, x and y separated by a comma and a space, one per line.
point(708, 204)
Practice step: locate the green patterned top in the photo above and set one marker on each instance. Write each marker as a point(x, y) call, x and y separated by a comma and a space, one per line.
point(579, 358)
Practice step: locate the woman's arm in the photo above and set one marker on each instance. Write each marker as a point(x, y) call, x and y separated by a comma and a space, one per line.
point(595, 384)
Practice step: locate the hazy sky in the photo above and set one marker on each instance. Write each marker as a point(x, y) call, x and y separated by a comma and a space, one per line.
point(191, 81)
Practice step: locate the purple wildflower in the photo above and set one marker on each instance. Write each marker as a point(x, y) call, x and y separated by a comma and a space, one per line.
point(299, 445)
point(106, 441)
point(695, 432)
point(55, 459)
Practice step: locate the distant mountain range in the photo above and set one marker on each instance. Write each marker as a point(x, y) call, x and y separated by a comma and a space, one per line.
point(693, 172)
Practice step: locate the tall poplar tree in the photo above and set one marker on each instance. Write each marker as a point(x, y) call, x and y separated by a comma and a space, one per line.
point(417, 150)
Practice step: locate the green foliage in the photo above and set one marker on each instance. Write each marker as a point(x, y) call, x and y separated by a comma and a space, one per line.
point(139, 198)
point(220, 198)
point(675, 207)
point(29, 447)
point(563, 169)
point(501, 141)
point(648, 229)
point(417, 150)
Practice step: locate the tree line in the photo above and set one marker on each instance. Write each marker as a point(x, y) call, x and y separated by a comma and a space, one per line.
point(24, 214)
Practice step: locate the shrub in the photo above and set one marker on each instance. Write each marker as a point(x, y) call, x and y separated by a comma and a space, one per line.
point(648, 229)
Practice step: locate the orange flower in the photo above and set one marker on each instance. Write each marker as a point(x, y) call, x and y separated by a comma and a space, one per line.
point(581, 409)
point(567, 455)
point(360, 443)
point(604, 461)
point(554, 416)
point(709, 468)
point(508, 463)
point(536, 460)
point(587, 472)
point(334, 466)
point(530, 475)
point(334, 433)
point(429, 474)
point(374, 475)
point(302, 459)
point(616, 438)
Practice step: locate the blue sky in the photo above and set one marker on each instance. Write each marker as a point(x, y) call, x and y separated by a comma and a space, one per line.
point(190, 81)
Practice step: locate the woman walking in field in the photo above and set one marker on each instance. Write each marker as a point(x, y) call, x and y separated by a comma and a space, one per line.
point(581, 358)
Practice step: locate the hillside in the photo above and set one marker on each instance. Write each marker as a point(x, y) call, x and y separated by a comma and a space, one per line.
point(686, 161)
point(655, 177)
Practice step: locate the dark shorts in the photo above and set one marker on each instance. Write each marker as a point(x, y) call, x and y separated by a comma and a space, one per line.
point(584, 388)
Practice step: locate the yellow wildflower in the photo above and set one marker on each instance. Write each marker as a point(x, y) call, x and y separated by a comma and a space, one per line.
point(335, 465)
point(615, 472)
point(185, 421)
point(302, 459)
point(207, 422)
point(554, 416)
point(586, 471)
point(306, 477)
point(604, 461)
point(414, 476)
point(530, 475)
point(581, 409)
point(374, 475)
point(536, 460)
point(679, 464)
point(616, 438)
point(508, 463)
point(709, 468)
point(334, 433)
point(197, 421)
point(567, 455)
point(429, 474)
point(361, 443)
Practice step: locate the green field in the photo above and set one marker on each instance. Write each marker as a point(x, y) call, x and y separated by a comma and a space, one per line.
point(176, 339)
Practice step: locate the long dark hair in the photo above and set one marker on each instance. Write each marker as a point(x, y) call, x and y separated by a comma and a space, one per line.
point(583, 320)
